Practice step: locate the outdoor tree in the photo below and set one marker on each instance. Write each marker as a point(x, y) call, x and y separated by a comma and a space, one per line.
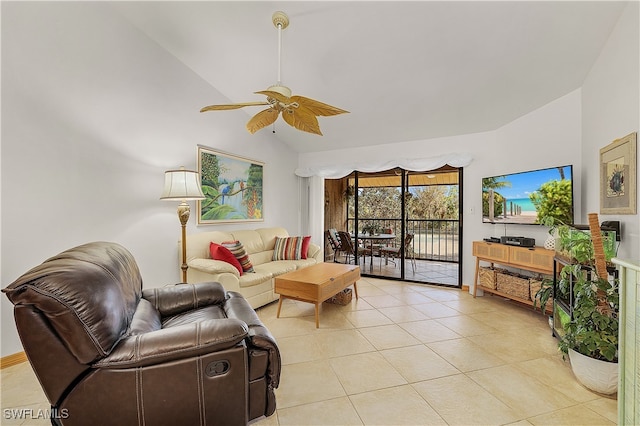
point(424, 202)
point(377, 202)
point(434, 202)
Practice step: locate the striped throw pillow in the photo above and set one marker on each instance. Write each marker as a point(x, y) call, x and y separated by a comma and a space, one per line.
point(291, 248)
point(239, 252)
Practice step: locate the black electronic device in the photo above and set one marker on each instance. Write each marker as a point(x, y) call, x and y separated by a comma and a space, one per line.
point(611, 225)
point(607, 225)
point(492, 240)
point(518, 241)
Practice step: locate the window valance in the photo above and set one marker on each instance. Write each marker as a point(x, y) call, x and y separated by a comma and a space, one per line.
point(336, 171)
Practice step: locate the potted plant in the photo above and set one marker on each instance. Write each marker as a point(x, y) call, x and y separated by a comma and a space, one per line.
point(591, 334)
point(553, 204)
point(371, 228)
point(572, 245)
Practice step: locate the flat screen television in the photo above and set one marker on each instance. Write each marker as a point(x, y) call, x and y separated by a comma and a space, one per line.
point(523, 198)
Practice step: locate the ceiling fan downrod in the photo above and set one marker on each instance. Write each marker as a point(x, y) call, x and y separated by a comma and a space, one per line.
point(280, 21)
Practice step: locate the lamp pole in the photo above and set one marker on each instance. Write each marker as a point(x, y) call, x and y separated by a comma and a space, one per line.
point(183, 215)
point(182, 185)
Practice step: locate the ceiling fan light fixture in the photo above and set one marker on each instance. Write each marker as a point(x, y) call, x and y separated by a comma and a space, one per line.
point(283, 90)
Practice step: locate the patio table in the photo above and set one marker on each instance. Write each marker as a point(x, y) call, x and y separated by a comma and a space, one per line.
point(372, 238)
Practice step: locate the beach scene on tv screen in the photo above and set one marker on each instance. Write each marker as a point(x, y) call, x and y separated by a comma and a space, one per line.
point(527, 197)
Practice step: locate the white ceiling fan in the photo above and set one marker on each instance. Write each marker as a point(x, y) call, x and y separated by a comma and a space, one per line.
point(297, 111)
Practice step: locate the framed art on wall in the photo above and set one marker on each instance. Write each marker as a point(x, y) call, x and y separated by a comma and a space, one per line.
point(618, 190)
point(232, 186)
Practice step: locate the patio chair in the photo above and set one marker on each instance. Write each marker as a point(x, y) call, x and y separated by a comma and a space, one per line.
point(350, 249)
point(334, 242)
point(391, 253)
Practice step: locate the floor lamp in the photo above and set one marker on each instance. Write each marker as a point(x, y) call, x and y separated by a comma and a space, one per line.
point(182, 185)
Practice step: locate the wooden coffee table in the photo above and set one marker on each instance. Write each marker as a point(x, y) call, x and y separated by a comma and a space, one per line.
point(317, 283)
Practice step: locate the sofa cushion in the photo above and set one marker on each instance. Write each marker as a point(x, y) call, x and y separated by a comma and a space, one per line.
point(277, 267)
point(303, 263)
point(211, 266)
point(268, 236)
point(219, 252)
point(261, 257)
point(250, 239)
point(258, 277)
point(290, 265)
point(291, 248)
point(240, 253)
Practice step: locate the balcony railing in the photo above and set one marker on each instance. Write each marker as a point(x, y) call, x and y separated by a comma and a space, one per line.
point(433, 239)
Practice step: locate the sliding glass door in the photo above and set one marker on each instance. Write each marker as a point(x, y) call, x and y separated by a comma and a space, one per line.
point(420, 210)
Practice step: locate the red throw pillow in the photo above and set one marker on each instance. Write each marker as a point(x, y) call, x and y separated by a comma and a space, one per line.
point(305, 247)
point(222, 253)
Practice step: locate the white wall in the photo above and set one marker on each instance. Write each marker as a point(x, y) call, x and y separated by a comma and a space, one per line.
point(547, 137)
point(610, 110)
point(93, 113)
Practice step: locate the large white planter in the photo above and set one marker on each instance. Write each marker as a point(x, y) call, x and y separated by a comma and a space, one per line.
point(599, 376)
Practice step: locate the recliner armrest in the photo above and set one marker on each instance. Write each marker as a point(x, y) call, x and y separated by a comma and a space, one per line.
point(174, 343)
point(179, 298)
point(259, 335)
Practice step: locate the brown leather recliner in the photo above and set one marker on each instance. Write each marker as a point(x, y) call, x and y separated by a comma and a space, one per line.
point(107, 352)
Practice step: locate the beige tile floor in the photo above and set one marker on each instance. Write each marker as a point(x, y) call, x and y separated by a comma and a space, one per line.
point(405, 354)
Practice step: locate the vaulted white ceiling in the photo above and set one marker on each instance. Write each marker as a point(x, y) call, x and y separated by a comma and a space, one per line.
point(406, 71)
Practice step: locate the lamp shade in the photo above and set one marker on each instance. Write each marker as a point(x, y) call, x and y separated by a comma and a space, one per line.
point(182, 185)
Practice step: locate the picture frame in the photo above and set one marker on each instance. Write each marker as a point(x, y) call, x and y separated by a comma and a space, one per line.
point(618, 175)
point(232, 185)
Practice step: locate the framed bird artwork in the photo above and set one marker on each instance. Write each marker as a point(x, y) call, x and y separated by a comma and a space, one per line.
point(232, 185)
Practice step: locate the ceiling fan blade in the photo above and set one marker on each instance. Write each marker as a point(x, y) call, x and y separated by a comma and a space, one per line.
point(262, 119)
point(231, 106)
point(302, 119)
point(317, 107)
point(275, 95)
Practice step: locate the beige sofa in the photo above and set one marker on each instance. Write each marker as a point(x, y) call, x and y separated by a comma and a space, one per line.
point(256, 287)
